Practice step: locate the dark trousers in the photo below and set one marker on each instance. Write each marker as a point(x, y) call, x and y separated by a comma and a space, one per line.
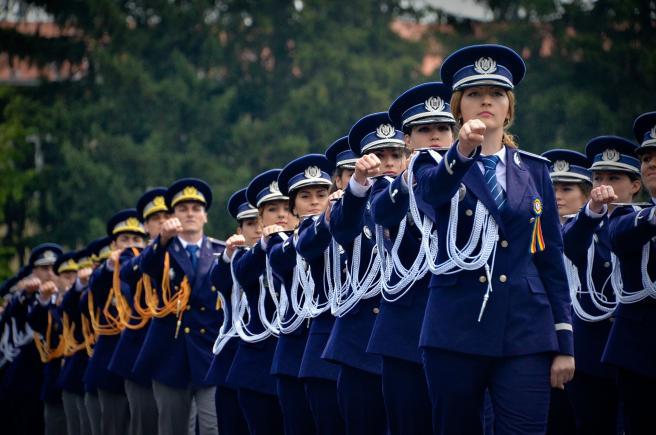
point(296, 415)
point(561, 413)
point(228, 413)
point(519, 389)
point(261, 411)
point(25, 416)
point(321, 395)
point(596, 404)
point(360, 398)
point(405, 393)
point(637, 393)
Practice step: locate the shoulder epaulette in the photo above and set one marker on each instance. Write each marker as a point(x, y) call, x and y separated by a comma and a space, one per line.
point(534, 156)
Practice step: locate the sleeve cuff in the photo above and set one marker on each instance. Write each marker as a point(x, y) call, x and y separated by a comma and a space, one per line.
point(224, 257)
point(358, 189)
point(594, 215)
point(565, 339)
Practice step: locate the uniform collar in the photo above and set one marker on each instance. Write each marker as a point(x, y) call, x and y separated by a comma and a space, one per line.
point(184, 243)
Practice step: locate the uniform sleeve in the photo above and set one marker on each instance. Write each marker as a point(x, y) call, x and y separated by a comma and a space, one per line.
point(152, 259)
point(577, 236)
point(630, 230)
point(314, 238)
point(347, 217)
point(282, 255)
point(552, 268)
point(250, 266)
point(389, 201)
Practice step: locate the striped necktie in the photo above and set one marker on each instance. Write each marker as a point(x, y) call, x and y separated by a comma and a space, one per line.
point(490, 175)
point(193, 255)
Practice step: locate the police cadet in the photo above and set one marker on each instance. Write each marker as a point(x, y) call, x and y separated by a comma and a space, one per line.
point(229, 415)
point(424, 115)
point(314, 239)
point(503, 308)
point(46, 320)
point(75, 354)
point(177, 350)
point(135, 316)
point(382, 151)
point(250, 371)
point(101, 249)
point(104, 301)
point(572, 184)
point(631, 346)
point(23, 377)
point(307, 181)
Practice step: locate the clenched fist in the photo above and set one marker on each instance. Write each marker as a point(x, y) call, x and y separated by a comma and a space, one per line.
point(30, 284)
point(269, 231)
point(83, 275)
point(365, 167)
point(233, 242)
point(171, 228)
point(470, 136)
point(46, 290)
point(601, 195)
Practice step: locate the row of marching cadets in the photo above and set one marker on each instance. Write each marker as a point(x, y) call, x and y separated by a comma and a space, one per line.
point(424, 275)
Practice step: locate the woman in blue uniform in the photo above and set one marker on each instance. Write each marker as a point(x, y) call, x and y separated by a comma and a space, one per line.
point(631, 346)
point(593, 391)
point(359, 387)
point(498, 314)
point(306, 181)
point(314, 240)
point(424, 116)
point(572, 184)
point(229, 415)
point(250, 371)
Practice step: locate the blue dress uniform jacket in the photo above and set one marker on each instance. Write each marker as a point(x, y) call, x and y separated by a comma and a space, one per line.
point(290, 347)
point(396, 330)
point(590, 337)
point(313, 239)
point(529, 310)
point(348, 340)
point(632, 342)
point(98, 374)
point(24, 375)
point(221, 278)
point(130, 340)
point(37, 318)
point(251, 367)
point(74, 367)
point(182, 361)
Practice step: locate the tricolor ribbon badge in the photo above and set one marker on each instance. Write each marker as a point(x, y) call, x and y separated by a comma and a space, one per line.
point(537, 238)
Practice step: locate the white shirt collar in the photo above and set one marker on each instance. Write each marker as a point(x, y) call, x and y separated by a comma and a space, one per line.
point(184, 243)
point(502, 155)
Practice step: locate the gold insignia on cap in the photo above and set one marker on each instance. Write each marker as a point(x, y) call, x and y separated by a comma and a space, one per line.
point(273, 187)
point(434, 104)
point(485, 65)
point(68, 266)
point(561, 166)
point(385, 131)
point(610, 155)
point(159, 201)
point(312, 172)
point(131, 225)
point(156, 205)
point(189, 193)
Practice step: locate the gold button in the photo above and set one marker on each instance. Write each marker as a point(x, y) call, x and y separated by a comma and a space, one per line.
point(176, 287)
point(202, 308)
point(606, 264)
point(482, 279)
point(376, 310)
point(469, 212)
point(503, 278)
point(188, 307)
point(202, 330)
point(213, 288)
point(187, 330)
point(504, 243)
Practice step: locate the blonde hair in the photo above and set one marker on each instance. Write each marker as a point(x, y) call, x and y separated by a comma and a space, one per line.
point(507, 139)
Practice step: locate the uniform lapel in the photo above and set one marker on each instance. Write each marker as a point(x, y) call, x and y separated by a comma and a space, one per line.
point(474, 181)
point(181, 257)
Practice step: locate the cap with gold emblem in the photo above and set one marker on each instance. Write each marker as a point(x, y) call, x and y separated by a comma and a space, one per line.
point(83, 258)
point(125, 221)
point(45, 254)
point(151, 202)
point(100, 249)
point(189, 190)
point(66, 263)
point(568, 166)
point(613, 153)
point(264, 188)
point(374, 131)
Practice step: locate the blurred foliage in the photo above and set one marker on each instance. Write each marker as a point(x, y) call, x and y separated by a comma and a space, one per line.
point(224, 89)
